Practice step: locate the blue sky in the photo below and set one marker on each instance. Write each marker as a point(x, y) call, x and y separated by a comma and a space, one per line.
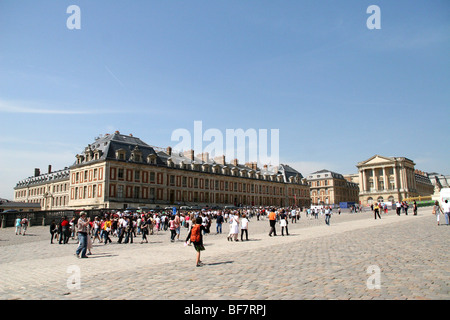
point(338, 92)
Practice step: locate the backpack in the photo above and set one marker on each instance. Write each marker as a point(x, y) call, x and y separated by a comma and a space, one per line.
point(195, 233)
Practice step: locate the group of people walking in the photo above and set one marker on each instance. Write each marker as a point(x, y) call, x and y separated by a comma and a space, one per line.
point(128, 226)
point(444, 209)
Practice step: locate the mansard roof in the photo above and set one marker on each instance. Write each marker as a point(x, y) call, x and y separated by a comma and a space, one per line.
point(321, 174)
point(108, 145)
point(54, 176)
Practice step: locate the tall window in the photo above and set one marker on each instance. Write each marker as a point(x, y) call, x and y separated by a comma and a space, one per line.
point(137, 175)
point(136, 192)
point(120, 191)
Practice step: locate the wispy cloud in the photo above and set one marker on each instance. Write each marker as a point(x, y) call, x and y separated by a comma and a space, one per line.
point(31, 107)
point(114, 76)
point(36, 108)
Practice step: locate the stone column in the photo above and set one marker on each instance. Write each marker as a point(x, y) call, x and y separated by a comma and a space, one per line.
point(374, 179)
point(400, 174)
point(361, 181)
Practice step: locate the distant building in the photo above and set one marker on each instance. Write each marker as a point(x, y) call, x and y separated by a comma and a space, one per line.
point(392, 179)
point(6, 205)
point(438, 181)
point(50, 190)
point(328, 187)
point(118, 171)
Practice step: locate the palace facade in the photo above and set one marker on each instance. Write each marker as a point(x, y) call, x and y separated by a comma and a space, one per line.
point(383, 179)
point(328, 187)
point(119, 171)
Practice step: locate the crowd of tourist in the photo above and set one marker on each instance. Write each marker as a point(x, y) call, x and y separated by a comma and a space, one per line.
point(128, 227)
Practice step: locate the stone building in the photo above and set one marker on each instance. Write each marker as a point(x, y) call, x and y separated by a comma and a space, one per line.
point(390, 179)
point(328, 187)
point(50, 190)
point(118, 171)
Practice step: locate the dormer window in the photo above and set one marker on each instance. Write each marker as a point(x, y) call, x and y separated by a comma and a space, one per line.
point(120, 154)
point(136, 155)
point(151, 159)
point(80, 158)
point(97, 154)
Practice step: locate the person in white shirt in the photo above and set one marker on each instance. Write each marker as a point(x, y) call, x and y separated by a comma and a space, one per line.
point(293, 216)
point(398, 207)
point(446, 209)
point(244, 227)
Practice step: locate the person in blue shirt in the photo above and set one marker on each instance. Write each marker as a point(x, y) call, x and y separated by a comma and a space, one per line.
point(18, 226)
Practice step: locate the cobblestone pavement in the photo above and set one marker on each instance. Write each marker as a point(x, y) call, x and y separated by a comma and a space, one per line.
point(409, 256)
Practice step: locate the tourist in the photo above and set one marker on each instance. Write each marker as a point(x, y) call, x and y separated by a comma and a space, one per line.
point(405, 207)
point(234, 227)
point(293, 216)
point(219, 222)
point(284, 223)
point(415, 207)
point(327, 213)
point(376, 211)
point(177, 220)
point(272, 222)
point(172, 228)
point(244, 227)
point(53, 230)
point(18, 226)
point(24, 225)
point(190, 223)
point(437, 211)
point(446, 211)
point(129, 230)
point(398, 207)
point(107, 230)
point(195, 237)
point(82, 227)
point(72, 225)
point(145, 225)
point(97, 229)
point(89, 244)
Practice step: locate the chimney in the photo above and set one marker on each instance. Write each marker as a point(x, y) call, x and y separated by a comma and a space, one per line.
point(169, 151)
point(204, 156)
point(252, 165)
point(189, 154)
point(49, 168)
point(235, 162)
point(220, 159)
point(37, 172)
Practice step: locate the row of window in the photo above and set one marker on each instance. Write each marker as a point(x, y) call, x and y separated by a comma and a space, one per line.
point(87, 175)
point(86, 192)
point(159, 194)
point(36, 191)
point(139, 176)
